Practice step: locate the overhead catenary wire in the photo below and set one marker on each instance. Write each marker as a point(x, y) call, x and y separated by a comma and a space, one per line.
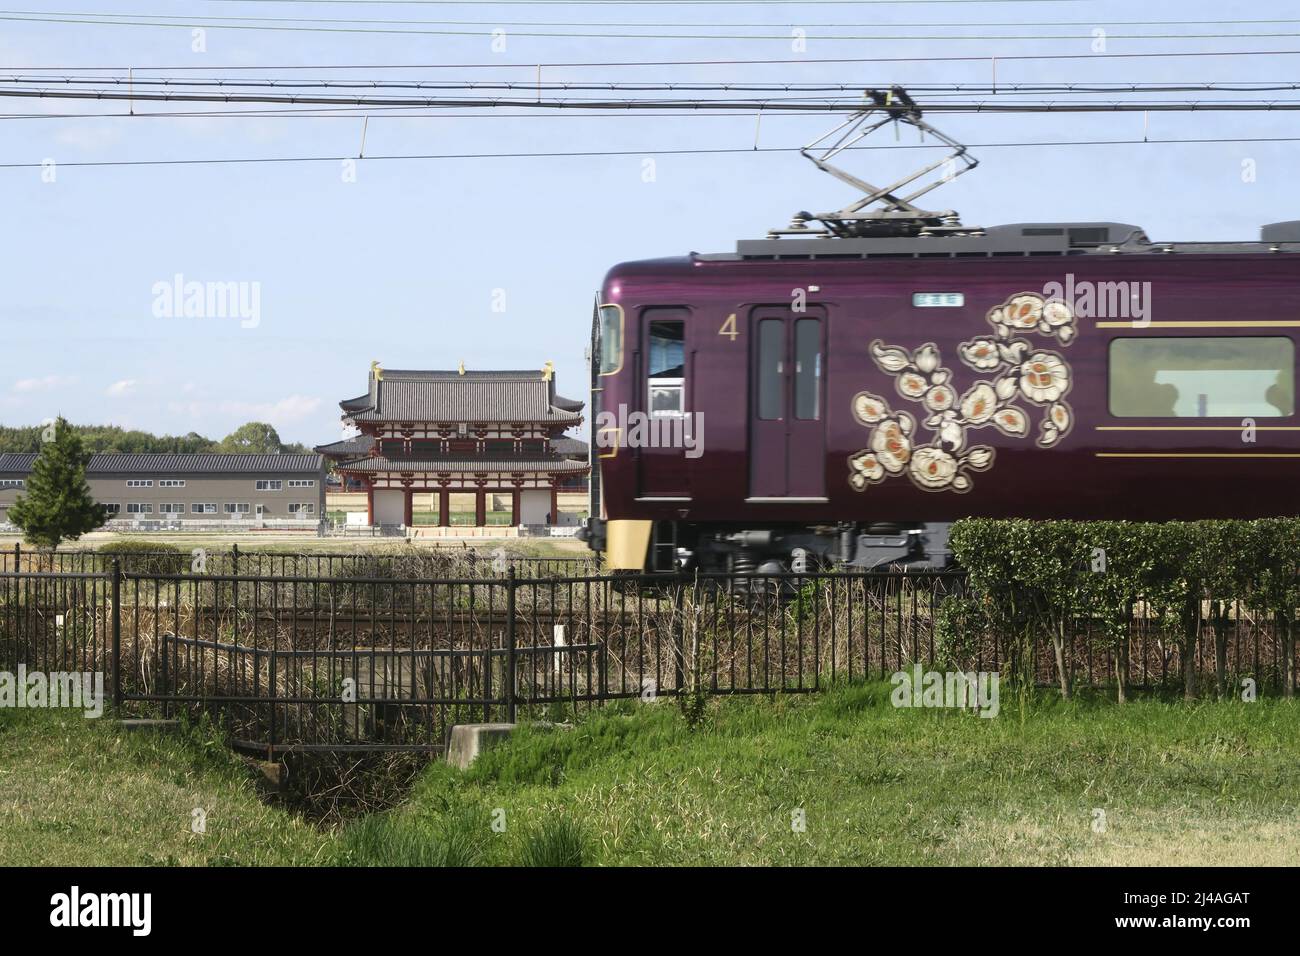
point(654, 151)
point(499, 22)
point(642, 3)
point(718, 62)
point(649, 3)
point(767, 105)
point(211, 23)
point(927, 89)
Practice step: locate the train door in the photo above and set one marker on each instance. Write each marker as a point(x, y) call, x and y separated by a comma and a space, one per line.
point(787, 431)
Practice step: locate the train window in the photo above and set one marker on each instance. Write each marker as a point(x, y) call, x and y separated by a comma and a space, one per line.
point(1240, 377)
point(807, 369)
point(611, 339)
point(666, 353)
point(771, 369)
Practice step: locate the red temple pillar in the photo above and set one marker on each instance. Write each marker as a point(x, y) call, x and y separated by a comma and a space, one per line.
point(555, 504)
point(444, 509)
point(408, 508)
point(480, 509)
point(514, 508)
point(370, 501)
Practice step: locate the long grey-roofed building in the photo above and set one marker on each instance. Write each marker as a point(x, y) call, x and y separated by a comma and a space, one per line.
point(145, 491)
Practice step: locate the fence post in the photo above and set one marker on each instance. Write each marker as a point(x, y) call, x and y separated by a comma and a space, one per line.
point(274, 688)
point(164, 675)
point(18, 556)
point(679, 663)
point(510, 645)
point(117, 636)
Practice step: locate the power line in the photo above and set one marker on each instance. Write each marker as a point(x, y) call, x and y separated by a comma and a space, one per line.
point(647, 3)
point(833, 103)
point(725, 62)
point(927, 89)
point(632, 152)
point(770, 104)
point(191, 23)
point(1099, 21)
point(1096, 22)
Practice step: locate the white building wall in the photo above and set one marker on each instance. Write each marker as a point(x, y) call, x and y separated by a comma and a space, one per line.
point(534, 506)
point(389, 506)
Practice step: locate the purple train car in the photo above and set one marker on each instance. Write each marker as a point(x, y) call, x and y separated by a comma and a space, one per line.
point(852, 396)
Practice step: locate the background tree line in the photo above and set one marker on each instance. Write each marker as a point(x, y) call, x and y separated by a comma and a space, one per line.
point(251, 438)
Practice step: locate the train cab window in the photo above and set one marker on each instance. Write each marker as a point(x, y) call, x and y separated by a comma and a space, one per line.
point(807, 369)
point(1238, 377)
point(666, 374)
point(611, 339)
point(771, 370)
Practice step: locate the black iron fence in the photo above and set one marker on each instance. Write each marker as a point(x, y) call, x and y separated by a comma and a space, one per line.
point(381, 662)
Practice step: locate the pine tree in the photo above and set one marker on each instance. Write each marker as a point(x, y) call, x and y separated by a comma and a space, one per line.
point(58, 504)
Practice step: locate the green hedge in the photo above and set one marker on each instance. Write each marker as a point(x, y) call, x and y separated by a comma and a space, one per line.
point(1036, 577)
point(148, 557)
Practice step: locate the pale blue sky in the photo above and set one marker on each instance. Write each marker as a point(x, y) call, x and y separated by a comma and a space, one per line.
point(402, 264)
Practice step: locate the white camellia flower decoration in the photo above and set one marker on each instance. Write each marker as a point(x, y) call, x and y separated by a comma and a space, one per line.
point(979, 404)
point(1044, 378)
point(933, 467)
point(892, 445)
point(1030, 312)
point(981, 354)
point(1017, 372)
point(1024, 311)
point(940, 398)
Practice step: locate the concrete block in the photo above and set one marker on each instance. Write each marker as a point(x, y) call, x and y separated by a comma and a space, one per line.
point(271, 773)
point(470, 740)
point(136, 723)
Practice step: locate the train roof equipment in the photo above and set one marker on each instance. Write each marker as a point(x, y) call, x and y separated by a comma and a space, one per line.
point(887, 223)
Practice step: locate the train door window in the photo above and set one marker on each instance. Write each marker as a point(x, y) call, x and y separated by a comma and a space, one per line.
point(1225, 377)
point(666, 374)
point(807, 369)
point(611, 339)
point(771, 369)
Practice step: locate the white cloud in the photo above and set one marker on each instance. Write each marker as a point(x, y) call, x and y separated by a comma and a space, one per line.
point(122, 388)
point(48, 383)
point(289, 409)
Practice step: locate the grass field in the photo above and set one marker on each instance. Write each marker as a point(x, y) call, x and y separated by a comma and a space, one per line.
point(304, 543)
point(1213, 783)
point(77, 792)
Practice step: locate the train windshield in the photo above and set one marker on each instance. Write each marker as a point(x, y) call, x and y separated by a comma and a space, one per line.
point(611, 339)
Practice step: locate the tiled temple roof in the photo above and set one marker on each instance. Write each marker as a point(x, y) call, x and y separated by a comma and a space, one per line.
point(405, 395)
point(463, 464)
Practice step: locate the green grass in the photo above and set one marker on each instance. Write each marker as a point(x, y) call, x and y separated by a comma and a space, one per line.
point(78, 792)
point(1203, 784)
point(1207, 783)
